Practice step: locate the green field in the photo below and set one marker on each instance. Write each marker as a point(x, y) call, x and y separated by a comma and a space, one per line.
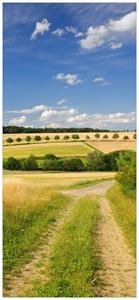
point(58, 149)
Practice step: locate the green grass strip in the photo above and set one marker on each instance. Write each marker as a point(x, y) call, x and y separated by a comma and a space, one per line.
point(73, 265)
point(23, 229)
point(124, 210)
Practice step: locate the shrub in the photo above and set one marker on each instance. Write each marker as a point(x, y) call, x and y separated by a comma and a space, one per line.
point(105, 136)
point(29, 163)
point(50, 164)
point(126, 176)
point(134, 136)
point(28, 138)
point(75, 136)
point(66, 137)
point(47, 138)
point(9, 140)
point(50, 156)
point(37, 138)
point(101, 162)
point(126, 137)
point(56, 137)
point(87, 137)
point(73, 164)
point(19, 140)
point(12, 164)
point(115, 136)
point(97, 135)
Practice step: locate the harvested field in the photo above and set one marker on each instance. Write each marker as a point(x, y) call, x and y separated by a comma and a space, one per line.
point(111, 146)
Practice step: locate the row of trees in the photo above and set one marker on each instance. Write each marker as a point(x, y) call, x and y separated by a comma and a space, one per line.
point(67, 137)
point(95, 161)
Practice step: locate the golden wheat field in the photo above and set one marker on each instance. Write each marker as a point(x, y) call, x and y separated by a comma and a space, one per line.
point(111, 146)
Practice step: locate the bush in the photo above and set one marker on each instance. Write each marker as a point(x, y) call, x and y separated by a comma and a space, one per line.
point(105, 136)
point(19, 140)
point(29, 163)
point(47, 138)
point(126, 176)
point(28, 138)
point(56, 137)
point(87, 137)
point(50, 156)
point(126, 137)
point(134, 136)
point(101, 162)
point(50, 164)
point(75, 136)
point(73, 164)
point(12, 164)
point(37, 138)
point(66, 137)
point(9, 140)
point(115, 136)
point(97, 135)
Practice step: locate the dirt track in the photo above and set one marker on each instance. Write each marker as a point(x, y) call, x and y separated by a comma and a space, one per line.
point(118, 265)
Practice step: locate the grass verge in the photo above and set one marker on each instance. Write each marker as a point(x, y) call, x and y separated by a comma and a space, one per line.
point(124, 210)
point(73, 264)
point(24, 224)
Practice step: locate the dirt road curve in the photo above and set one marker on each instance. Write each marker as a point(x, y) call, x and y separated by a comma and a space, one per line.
point(118, 270)
point(118, 273)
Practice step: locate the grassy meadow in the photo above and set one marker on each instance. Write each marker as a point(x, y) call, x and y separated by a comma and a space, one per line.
point(39, 150)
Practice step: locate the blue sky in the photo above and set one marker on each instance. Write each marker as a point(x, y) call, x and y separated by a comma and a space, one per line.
point(70, 65)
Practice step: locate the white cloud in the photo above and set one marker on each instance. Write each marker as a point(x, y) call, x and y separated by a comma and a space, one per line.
point(113, 30)
point(18, 121)
point(98, 79)
point(61, 101)
point(101, 81)
point(71, 79)
point(126, 24)
point(40, 28)
point(58, 32)
point(71, 29)
point(34, 109)
point(116, 45)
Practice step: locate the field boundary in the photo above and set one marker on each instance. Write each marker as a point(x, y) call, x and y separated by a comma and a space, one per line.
point(92, 147)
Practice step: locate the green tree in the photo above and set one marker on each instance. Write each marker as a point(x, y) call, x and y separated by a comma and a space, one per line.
point(37, 138)
point(19, 140)
point(115, 136)
point(66, 137)
point(47, 138)
point(87, 137)
point(75, 136)
point(97, 135)
point(73, 164)
point(126, 137)
point(29, 164)
point(105, 136)
point(134, 136)
point(9, 140)
point(56, 137)
point(28, 138)
point(12, 164)
point(50, 156)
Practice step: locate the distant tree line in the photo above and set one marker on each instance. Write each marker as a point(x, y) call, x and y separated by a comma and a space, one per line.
point(17, 129)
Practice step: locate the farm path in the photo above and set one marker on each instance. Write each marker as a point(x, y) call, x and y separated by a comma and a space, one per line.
point(118, 265)
point(118, 273)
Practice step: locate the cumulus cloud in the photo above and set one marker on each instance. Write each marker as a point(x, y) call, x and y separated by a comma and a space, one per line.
point(113, 30)
point(18, 121)
point(73, 30)
point(61, 101)
point(40, 28)
point(98, 79)
point(58, 32)
point(71, 79)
